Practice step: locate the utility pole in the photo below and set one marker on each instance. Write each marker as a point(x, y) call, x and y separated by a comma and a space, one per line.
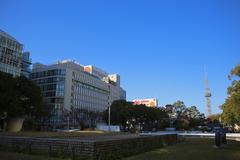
point(109, 118)
point(109, 111)
point(208, 95)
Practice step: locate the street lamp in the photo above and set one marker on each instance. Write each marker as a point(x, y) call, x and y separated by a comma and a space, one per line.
point(109, 118)
point(109, 113)
point(68, 121)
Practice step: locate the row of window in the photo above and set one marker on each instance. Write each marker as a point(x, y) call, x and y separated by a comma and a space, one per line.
point(89, 99)
point(82, 90)
point(58, 87)
point(49, 94)
point(59, 93)
point(49, 80)
point(90, 79)
point(93, 97)
point(90, 106)
point(10, 43)
point(48, 87)
point(87, 86)
point(10, 57)
point(47, 73)
point(14, 72)
point(89, 102)
point(53, 94)
point(57, 100)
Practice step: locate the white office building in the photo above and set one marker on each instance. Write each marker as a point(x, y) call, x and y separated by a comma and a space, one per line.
point(71, 90)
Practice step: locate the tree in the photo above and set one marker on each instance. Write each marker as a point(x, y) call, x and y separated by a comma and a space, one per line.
point(29, 96)
point(179, 108)
point(178, 113)
point(6, 92)
point(231, 106)
point(184, 117)
point(19, 96)
point(84, 118)
point(195, 117)
point(215, 118)
point(127, 115)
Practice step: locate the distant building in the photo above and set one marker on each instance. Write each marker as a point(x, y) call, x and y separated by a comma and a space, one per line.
point(70, 90)
point(151, 102)
point(12, 58)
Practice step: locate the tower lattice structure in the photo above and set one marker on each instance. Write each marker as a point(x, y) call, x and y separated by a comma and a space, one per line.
point(208, 96)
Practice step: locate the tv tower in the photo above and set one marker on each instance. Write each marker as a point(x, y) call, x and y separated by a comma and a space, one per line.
point(208, 95)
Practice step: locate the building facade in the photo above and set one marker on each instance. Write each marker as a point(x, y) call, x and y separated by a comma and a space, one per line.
point(151, 102)
point(73, 92)
point(12, 58)
point(26, 63)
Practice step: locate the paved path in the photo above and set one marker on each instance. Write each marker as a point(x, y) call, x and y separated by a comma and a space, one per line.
point(234, 136)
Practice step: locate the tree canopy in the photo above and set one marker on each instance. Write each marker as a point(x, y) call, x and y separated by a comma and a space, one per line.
point(126, 114)
point(231, 106)
point(19, 96)
point(184, 117)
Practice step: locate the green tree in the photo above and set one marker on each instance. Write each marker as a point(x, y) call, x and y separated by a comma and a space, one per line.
point(231, 107)
point(194, 116)
point(6, 92)
point(184, 117)
point(19, 96)
point(215, 118)
point(179, 109)
point(128, 115)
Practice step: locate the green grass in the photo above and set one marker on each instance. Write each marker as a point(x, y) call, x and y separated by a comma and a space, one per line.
point(193, 149)
point(20, 156)
point(6, 155)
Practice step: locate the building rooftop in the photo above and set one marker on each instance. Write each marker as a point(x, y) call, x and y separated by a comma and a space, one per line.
point(7, 35)
point(69, 61)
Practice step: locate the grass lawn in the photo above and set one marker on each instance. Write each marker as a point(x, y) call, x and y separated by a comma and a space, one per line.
point(20, 156)
point(193, 149)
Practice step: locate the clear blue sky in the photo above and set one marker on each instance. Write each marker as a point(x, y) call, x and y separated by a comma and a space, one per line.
point(158, 47)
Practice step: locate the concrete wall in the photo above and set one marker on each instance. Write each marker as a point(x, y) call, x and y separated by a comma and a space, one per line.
point(70, 147)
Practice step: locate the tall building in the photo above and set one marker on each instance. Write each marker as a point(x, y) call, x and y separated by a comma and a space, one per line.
point(26, 63)
point(70, 89)
point(12, 58)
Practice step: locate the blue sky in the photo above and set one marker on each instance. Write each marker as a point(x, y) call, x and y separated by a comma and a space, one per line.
point(159, 47)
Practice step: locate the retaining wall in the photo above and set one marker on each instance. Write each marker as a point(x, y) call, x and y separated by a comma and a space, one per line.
point(101, 149)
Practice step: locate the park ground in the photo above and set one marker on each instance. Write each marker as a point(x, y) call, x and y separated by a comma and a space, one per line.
point(191, 148)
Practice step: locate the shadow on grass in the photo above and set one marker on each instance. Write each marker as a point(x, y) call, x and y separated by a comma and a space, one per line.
point(193, 148)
